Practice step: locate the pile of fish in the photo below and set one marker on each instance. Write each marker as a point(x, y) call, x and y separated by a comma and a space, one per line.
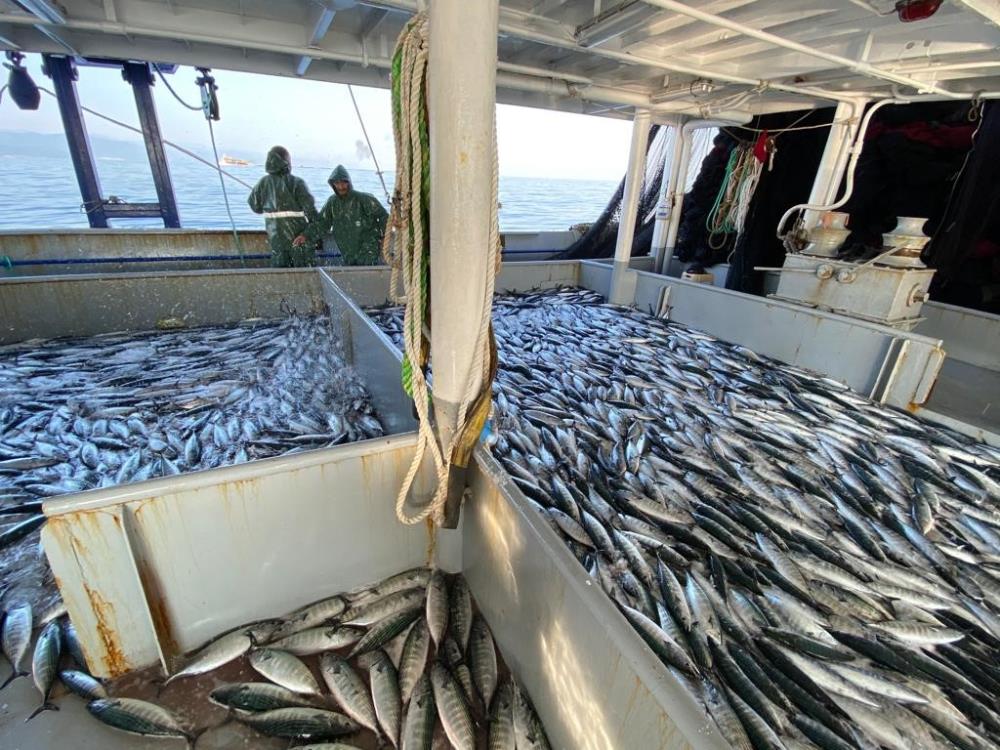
point(817, 569)
point(391, 663)
point(104, 410)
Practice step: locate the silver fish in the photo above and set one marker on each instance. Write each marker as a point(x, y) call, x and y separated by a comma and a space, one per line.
point(318, 640)
point(386, 695)
point(259, 696)
point(301, 723)
point(138, 717)
point(413, 659)
point(437, 606)
point(15, 639)
point(220, 651)
point(83, 684)
point(452, 709)
point(45, 665)
point(421, 716)
point(284, 669)
point(349, 690)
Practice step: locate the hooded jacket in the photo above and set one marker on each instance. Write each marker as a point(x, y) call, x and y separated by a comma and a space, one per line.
point(356, 220)
point(280, 192)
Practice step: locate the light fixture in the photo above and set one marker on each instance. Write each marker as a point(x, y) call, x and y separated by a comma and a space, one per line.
point(916, 10)
point(22, 89)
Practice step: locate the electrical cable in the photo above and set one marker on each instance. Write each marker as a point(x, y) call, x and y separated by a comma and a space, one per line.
point(215, 152)
point(361, 120)
point(225, 194)
point(171, 89)
point(173, 145)
point(789, 129)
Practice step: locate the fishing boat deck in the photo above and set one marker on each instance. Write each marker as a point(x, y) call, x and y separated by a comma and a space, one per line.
point(72, 726)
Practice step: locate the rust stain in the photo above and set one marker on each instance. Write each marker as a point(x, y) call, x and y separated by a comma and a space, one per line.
point(463, 157)
point(114, 657)
point(633, 694)
point(366, 473)
point(157, 610)
point(431, 539)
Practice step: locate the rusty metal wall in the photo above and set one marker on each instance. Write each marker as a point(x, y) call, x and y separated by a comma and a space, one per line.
point(151, 570)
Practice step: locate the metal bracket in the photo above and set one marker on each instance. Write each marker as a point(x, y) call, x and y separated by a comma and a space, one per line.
point(664, 307)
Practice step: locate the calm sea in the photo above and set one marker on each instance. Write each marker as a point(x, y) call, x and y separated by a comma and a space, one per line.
point(39, 192)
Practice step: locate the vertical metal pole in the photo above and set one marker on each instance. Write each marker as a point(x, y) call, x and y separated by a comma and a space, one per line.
point(461, 83)
point(630, 205)
point(665, 209)
point(63, 74)
point(141, 79)
point(677, 200)
point(833, 163)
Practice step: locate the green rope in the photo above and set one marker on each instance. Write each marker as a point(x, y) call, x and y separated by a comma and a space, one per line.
point(6, 260)
point(425, 169)
point(727, 226)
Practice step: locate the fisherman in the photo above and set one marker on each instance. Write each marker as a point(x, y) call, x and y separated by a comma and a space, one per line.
point(356, 220)
point(288, 207)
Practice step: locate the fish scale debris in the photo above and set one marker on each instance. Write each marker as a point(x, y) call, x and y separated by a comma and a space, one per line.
point(826, 567)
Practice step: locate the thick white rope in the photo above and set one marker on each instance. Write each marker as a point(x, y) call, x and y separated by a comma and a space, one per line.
point(404, 250)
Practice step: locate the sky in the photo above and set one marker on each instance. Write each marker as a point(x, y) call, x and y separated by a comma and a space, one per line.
point(316, 121)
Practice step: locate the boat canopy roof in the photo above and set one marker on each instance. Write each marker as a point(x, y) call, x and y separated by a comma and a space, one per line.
point(694, 57)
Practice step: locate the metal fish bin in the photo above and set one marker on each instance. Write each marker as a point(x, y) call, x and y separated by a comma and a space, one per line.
point(152, 570)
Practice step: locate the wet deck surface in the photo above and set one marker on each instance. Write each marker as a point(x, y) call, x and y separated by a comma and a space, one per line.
point(73, 728)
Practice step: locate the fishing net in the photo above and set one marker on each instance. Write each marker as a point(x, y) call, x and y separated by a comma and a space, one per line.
point(599, 240)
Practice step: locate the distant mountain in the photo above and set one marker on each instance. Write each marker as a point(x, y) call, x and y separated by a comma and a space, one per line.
point(25, 143)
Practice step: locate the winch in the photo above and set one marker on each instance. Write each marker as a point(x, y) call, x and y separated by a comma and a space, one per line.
point(889, 289)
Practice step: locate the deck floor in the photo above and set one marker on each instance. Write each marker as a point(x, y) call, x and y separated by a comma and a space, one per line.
point(73, 727)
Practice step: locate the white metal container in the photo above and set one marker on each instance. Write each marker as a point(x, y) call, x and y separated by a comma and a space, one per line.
point(151, 570)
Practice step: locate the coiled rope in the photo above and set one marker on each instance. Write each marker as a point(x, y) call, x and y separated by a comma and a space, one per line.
point(406, 248)
point(732, 203)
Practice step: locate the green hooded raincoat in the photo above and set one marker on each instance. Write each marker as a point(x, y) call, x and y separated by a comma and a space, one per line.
point(357, 221)
point(280, 192)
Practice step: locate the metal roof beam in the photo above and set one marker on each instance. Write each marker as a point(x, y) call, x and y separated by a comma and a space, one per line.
point(51, 34)
point(372, 21)
point(49, 13)
point(615, 22)
point(44, 9)
point(320, 28)
point(514, 76)
point(511, 24)
point(857, 66)
point(988, 9)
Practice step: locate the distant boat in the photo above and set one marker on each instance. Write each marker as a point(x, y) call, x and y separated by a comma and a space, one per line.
point(231, 161)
